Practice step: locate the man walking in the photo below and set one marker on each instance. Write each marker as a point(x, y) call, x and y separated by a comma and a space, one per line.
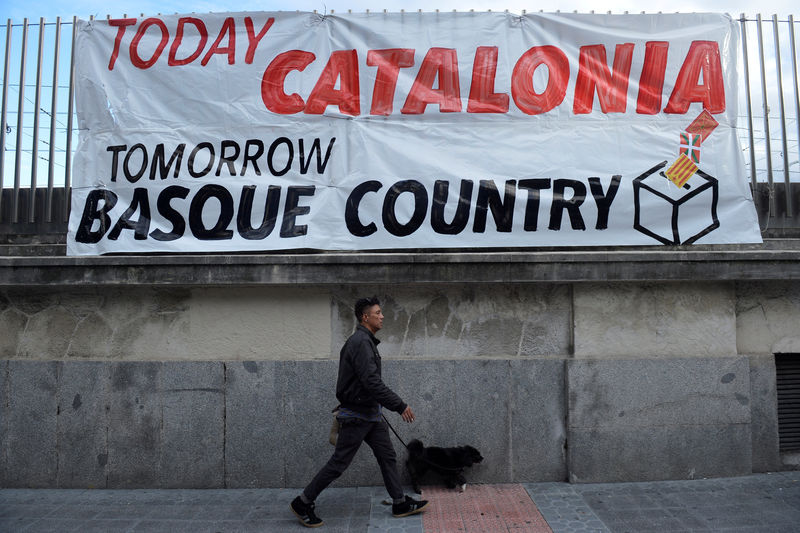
point(362, 394)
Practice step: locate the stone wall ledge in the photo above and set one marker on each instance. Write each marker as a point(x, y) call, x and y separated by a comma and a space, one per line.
point(773, 260)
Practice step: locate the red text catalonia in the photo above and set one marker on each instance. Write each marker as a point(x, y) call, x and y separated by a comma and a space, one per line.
point(437, 80)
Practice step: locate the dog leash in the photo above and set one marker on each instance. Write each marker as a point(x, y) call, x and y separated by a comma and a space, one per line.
point(393, 431)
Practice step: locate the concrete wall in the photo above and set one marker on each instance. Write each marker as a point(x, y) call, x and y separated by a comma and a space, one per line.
point(147, 324)
point(200, 386)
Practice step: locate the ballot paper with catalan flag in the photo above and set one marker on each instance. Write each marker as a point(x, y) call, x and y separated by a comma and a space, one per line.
point(681, 170)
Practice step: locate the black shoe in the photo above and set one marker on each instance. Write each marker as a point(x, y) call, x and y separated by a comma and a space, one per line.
point(408, 507)
point(305, 513)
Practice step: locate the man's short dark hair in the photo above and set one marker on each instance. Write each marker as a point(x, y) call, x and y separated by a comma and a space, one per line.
point(364, 303)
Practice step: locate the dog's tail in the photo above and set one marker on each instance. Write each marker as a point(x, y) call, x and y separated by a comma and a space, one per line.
point(415, 447)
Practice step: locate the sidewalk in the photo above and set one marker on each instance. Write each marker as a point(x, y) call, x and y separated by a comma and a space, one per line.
point(756, 503)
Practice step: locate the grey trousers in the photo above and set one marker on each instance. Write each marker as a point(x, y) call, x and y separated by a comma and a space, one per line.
point(351, 434)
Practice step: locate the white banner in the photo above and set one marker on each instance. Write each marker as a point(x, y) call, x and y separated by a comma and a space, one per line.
point(275, 131)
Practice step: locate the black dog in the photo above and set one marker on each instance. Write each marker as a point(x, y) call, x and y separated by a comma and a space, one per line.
point(449, 463)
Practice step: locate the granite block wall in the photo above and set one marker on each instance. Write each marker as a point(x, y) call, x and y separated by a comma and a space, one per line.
point(182, 424)
point(659, 419)
point(136, 386)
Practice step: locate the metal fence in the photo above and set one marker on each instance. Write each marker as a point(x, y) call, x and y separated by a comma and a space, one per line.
point(772, 137)
point(37, 148)
point(39, 126)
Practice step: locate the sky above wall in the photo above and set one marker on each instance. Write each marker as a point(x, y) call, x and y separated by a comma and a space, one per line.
point(50, 9)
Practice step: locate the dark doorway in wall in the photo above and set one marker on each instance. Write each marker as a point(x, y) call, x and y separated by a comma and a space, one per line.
point(787, 371)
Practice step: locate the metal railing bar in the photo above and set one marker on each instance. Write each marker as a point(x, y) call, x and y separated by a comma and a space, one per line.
point(22, 150)
point(755, 136)
point(772, 210)
point(789, 118)
point(70, 104)
point(785, 150)
point(759, 158)
point(760, 167)
point(793, 172)
point(14, 86)
point(37, 114)
point(46, 24)
point(45, 111)
point(795, 78)
point(20, 108)
point(53, 107)
point(756, 19)
point(60, 86)
point(165, 14)
point(753, 179)
point(4, 110)
point(62, 130)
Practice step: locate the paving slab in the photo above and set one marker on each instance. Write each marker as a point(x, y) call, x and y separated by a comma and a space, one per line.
point(762, 503)
point(482, 509)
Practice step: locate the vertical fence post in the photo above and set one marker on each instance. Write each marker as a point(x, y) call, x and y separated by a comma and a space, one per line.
point(753, 181)
point(20, 123)
point(772, 211)
point(4, 113)
point(70, 108)
point(53, 110)
point(37, 106)
point(784, 145)
point(796, 86)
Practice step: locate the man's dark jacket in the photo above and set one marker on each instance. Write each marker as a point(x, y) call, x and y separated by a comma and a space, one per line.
point(359, 386)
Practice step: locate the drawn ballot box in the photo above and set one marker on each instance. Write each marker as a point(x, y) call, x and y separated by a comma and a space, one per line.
point(674, 214)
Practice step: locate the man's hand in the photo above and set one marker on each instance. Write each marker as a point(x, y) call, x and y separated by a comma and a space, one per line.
point(408, 414)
